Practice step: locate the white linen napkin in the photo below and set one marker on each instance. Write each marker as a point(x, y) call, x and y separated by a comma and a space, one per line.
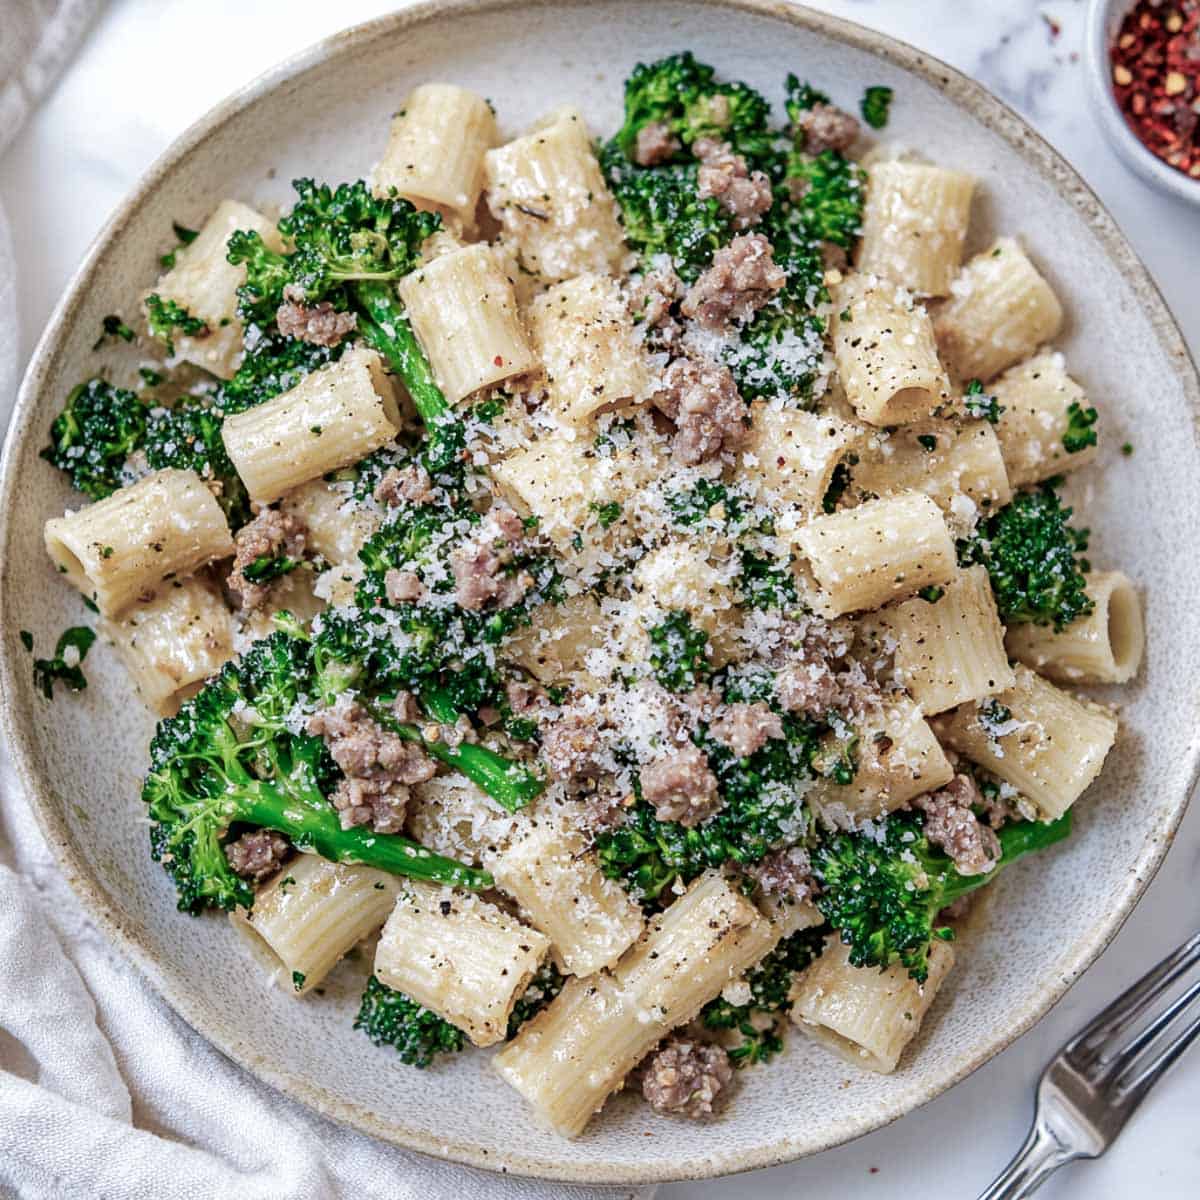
point(105, 1094)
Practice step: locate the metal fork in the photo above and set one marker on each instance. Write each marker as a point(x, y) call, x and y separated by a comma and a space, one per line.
point(1097, 1080)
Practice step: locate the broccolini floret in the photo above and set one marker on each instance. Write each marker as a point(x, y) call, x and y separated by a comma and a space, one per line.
point(683, 95)
point(762, 810)
point(662, 213)
point(232, 758)
point(883, 893)
point(1031, 553)
point(980, 405)
point(759, 1022)
point(187, 436)
point(443, 648)
point(167, 318)
point(679, 653)
point(390, 1018)
point(348, 248)
point(99, 427)
point(833, 190)
point(273, 364)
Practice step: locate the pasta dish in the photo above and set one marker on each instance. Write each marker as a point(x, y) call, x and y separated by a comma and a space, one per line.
point(621, 590)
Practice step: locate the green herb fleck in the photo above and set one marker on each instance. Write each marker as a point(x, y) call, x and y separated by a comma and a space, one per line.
point(1081, 431)
point(876, 103)
point(66, 664)
point(113, 326)
point(606, 513)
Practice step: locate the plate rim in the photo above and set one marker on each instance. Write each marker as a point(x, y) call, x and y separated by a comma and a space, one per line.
point(984, 107)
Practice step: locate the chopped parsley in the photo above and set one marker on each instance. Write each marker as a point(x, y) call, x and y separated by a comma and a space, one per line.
point(113, 326)
point(606, 514)
point(1081, 428)
point(875, 106)
point(979, 404)
point(66, 666)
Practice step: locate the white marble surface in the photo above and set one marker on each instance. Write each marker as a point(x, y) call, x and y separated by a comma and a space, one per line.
point(152, 66)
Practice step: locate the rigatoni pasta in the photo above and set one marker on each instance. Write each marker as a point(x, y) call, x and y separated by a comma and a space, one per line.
point(1000, 311)
point(886, 355)
point(866, 1017)
point(547, 191)
point(203, 285)
point(330, 419)
point(585, 341)
point(1046, 743)
point(590, 602)
point(949, 646)
point(125, 549)
point(883, 550)
point(313, 912)
point(960, 466)
point(434, 153)
point(590, 920)
point(1037, 400)
point(914, 224)
point(464, 312)
point(1105, 646)
point(459, 956)
point(174, 642)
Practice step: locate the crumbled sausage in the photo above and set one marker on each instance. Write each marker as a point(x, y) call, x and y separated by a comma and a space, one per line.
point(681, 787)
point(570, 745)
point(272, 533)
point(816, 677)
point(834, 257)
point(401, 484)
point(742, 278)
point(258, 854)
point(745, 728)
point(605, 810)
point(378, 764)
point(523, 698)
point(745, 195)
point(687, 1078)
point(654, 295)
point(950, 823)
point(321, 324)
point(827, 127)
point(402, 586)
point(703, 400)
point(379, 803)
point(655, 144)
point(786, 873)
point(481, 564)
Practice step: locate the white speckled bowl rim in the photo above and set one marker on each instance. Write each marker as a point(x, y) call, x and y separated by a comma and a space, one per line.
point(773, 1148)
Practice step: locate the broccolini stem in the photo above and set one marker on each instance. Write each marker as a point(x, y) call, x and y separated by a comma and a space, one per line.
point(388, 331)
point(510, 784)
point(311, 828)
point(1017, 839)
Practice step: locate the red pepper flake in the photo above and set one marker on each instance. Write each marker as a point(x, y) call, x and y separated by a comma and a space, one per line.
point(1052, 26)
point(1156, 79)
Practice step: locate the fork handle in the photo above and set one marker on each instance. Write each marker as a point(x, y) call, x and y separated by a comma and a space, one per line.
point(1038, 1159)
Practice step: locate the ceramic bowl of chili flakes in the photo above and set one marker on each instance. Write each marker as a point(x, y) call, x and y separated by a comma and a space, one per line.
point(1144, 63)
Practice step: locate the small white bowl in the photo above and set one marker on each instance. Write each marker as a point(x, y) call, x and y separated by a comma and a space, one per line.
point(1104, 19)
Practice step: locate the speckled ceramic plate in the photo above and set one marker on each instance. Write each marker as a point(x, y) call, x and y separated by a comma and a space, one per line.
point(326, 113)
